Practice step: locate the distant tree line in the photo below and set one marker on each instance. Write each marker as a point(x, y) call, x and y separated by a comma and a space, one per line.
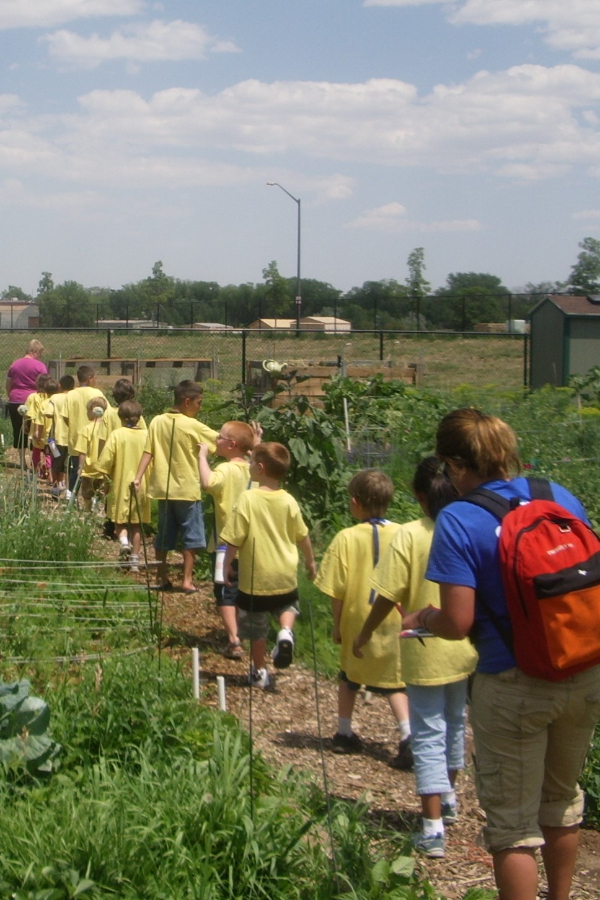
point(467, 298)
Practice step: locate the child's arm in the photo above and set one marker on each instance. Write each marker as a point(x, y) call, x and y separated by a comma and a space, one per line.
point(203, 466)
point(144, 463)
point(230, 555)
point(81, 463)
point(309, 559)
point(336, 611)
point(379, 611)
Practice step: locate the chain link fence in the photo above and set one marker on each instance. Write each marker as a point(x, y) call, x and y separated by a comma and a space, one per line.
point(440, 360)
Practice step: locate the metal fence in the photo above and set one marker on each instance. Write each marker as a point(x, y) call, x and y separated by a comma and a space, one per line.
point(444, 360)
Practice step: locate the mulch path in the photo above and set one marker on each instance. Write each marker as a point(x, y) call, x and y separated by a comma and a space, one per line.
point(286, 730)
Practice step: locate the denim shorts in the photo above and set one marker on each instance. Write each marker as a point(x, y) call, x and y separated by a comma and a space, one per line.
point(531, 740)
point(355, 686)
point(226, 594)
point(437, 725)
point(180, 517)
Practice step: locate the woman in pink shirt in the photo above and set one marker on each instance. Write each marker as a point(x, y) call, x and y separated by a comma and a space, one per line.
point(20, 383)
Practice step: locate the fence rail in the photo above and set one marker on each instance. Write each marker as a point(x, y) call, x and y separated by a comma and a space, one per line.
point(445, 359)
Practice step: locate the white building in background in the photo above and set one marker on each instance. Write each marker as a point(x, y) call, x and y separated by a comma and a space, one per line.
point(17, 315)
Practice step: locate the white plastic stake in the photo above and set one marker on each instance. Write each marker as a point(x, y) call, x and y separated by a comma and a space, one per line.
point(196, 672)
point(221, 688)
point(2, 440)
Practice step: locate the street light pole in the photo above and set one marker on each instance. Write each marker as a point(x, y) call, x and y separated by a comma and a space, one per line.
point(298, 202)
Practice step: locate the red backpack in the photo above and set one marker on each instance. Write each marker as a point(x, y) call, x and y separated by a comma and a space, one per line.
point(550, 564)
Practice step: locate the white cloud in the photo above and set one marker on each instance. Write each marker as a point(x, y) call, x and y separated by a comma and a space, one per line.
point(587, 215)
point(525, 123)
point(137, 42)
point(391, 219)
point(572, 26)
point(46, 13)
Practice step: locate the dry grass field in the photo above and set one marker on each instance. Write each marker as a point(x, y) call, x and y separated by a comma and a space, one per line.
point(445, 360)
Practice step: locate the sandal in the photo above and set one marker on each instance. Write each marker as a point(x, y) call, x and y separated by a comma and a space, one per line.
point(234, 650)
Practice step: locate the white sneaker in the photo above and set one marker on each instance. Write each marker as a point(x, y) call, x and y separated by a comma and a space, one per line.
point(134, 564)
point(124, 552)
point(283, 651)
point(259, 678)
point(68, 494)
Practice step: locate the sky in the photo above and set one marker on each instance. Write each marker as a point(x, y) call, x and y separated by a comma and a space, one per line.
point(134, 131)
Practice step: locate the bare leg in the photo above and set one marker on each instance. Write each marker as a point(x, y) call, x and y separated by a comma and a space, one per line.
point(258, 651)
point(431, 806)
point(287, 620)
point(135, 533)
point(162, 569)
point(189, 558)
point(559, 854)
point(516, 874)
point(229, 617)
point(346, 701)
point(399, 705)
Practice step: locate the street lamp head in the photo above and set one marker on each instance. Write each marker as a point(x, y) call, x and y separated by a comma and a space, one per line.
point(270, 184)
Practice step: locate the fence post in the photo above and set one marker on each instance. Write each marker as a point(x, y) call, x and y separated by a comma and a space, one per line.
point(108, 343)
point(381, 346)
point(526, 360)
point(243, 357)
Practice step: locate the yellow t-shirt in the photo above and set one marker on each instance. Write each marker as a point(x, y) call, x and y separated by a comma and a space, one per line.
point(111, 421)
point(266, 527)
point(227, 482)
point(34, 404)
point(173, 439)
point(53, 411)
point(400, 576)
point(345, 574)
point(75, 412)
point(119, 460)
point(87, 443)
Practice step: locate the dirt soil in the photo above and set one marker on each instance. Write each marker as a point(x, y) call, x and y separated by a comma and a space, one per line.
point(286, 727)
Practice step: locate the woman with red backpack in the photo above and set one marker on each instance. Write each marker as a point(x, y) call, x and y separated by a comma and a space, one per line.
point(531, 733)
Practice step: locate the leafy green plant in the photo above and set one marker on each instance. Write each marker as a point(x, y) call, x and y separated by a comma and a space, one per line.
point(24, 741)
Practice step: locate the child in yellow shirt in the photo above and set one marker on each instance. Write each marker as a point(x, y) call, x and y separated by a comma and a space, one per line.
point(172, 448)
point(58, 432)
point(119, 461)
point(87, 450)
point(344, 575)
point(37, 425)
point(225, 484)
point(75, 414)
point(267, 529)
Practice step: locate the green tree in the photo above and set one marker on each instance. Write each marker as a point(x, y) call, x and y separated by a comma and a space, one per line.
point(416, 282)
point(585, 274)
point(67, 305)
point(45, 284)
point(13, 292)
point(467, 299)
point(278, 298)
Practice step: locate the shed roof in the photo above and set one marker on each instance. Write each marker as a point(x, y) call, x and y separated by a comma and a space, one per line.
point(573, 304)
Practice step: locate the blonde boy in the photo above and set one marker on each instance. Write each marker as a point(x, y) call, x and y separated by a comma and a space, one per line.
point(172, 448)
point(119, 461)
point(344, 575)
point(74, 412)
point(87, 450)
point(225, 484)
point(267, 529)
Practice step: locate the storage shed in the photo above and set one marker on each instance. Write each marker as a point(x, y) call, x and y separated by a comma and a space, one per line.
point(565, 338)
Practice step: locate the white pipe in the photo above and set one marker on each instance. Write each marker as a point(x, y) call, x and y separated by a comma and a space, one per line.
point(221, 688)
point(196, 672)
point(347, 423)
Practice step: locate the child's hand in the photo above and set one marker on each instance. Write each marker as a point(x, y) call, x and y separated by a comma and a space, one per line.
point(311, 569)
point(229, 576)
point(136, 485)
point(203, 451)
point(358, 644)
point(336, 635)
point(258, 432)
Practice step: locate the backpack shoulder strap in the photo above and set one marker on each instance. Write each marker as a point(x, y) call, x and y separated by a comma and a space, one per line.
point(540, 489)
point(489, 500)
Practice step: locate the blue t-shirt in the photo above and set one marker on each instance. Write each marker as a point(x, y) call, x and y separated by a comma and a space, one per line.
point(465, 552)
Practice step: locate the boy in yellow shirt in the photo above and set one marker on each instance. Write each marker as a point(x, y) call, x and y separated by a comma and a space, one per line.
point(225, 484)
point(172, 448)
point(344, 575)
point(37, 424)
point(119, 460)
point(87, 449)
point(267, 529)
point(59, 433)
point(74, 412)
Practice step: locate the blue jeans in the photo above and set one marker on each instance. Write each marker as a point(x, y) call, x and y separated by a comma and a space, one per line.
point(437, 724)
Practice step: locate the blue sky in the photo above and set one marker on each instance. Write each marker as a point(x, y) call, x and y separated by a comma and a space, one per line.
point(132, 131)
